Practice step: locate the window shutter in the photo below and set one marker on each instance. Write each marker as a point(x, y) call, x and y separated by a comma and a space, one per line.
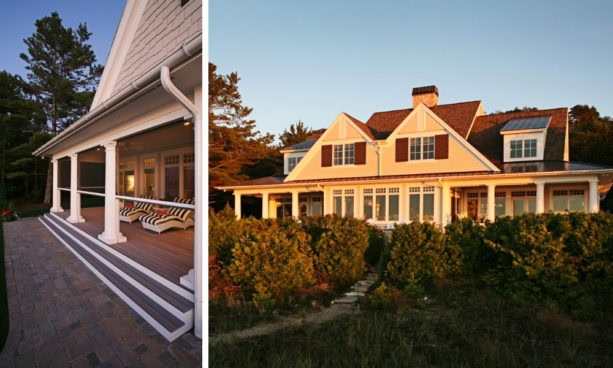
point(326, 155)
point(402, 149)
point(441, 146)
point(360, 153)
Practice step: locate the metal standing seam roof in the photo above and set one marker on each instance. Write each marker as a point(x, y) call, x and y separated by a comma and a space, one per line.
point(302, 145)
point(534, 122)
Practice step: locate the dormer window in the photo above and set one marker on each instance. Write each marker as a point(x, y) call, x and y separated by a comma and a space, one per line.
point(344, 154)
point(292, 162)
point(524, 138)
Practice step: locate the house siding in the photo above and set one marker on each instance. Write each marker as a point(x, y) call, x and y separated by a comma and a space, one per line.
point(164, 26)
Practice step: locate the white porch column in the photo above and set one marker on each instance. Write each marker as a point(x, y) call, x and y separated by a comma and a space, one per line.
point(111, 234)
point(265, 205)
point(75, 203)
point(491, 202)
point(445, 204)
point(540, 197)
point(295, 205)
point(593, 200)
point(55, 193)
point(237, 205)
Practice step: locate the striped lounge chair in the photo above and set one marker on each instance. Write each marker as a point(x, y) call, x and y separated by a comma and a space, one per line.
point(175, 217)
point(134, 213)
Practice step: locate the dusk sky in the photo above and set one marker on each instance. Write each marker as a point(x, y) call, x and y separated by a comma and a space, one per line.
point(310, 60)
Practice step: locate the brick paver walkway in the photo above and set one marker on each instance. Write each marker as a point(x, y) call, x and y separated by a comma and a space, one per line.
point(62, 315)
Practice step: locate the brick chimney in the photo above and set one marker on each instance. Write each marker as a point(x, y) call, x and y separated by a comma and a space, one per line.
point(427, 95)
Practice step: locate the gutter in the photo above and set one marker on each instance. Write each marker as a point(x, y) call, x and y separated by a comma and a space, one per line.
point(143, 83)
point(199, 184)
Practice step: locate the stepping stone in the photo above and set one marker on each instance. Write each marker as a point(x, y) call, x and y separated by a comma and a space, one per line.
point(346, 300)
point(354, 293)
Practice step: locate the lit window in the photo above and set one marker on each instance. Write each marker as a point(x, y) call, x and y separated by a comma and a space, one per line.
point(516, 149)
point(530, 148)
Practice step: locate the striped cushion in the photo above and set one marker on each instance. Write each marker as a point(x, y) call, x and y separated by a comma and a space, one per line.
point(130, 211)
point(158, 219)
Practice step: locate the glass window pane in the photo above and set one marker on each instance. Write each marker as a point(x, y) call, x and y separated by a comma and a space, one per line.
point(414, 207)
point(349, 154)
point(380, 208)
point(415, 149)
point(188, 182)
point(483, 207)
point(129, 183)
point(500, 204)
point(303, 207)
point(348, 206)
point(394, 207)
point(516, 149)
point(576, 203)
point(518, 207)
point(532, 205)
point(429, 207)
point(368, 207)
point(316, 209)
point(171, 183)
point(338, 206)
point(149, 182)
point(559, 203)
point(338, 154)
point(530, 148)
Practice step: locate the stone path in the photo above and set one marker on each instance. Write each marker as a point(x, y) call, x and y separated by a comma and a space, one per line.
point(62, 315)
point(340, 306)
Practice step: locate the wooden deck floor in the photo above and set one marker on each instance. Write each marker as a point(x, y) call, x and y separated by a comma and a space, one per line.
point(169, 254)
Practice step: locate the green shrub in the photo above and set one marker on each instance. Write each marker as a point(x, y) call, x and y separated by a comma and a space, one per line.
point(224, 232)
point(269, 263)
point(387, 297)
point(421, 255)
point(469, 236)
point(339, 246)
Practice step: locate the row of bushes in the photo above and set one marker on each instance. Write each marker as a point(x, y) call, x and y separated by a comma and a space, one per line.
point(551, 258)
point(271, 260)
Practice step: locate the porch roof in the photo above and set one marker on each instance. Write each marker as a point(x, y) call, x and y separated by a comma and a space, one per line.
point(515, 169)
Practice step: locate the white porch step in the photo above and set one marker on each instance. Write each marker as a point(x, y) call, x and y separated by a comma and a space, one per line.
point(169, 312)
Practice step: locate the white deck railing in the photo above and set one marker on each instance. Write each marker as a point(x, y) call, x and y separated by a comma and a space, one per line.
point(137, 199)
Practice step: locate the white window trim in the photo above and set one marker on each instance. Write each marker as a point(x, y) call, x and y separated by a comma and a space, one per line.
point(421, 193)
point(343, 195)
point(422, 136)
point(342, 155)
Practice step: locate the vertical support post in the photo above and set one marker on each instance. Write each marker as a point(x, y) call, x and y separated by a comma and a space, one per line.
point(295, 205)
point(75, 205)
point(540, 197)
point(200, 212)
point(491, 202)
point(56, 203)
point(445, 204)
point(265, 205)
point(593, 199)
point(111, 234)
point(237, 205)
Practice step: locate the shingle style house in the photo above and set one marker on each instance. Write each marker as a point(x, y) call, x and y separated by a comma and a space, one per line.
point(432, 162)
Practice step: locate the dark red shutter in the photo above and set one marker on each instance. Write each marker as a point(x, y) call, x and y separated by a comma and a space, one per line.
point(441, 146)
point(326, 155)
point(402, 149)
point(360, 153)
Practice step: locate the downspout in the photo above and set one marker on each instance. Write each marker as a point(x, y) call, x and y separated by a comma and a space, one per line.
point(198, 215)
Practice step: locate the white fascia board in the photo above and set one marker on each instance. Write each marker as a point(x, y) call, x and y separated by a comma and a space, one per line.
point(523, 131)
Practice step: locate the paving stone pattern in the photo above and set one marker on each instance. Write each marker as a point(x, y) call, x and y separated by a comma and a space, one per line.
point(62, 315)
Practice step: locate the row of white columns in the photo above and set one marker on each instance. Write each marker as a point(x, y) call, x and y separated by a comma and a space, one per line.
point(593, 200)
point(111, 233)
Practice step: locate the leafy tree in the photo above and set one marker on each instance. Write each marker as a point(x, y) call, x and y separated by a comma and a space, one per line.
point(234, 142)
point(583, 114)
point(62, 73)
point(295, 134)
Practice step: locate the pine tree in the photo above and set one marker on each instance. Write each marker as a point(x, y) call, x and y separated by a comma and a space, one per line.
point(62, 73)
point(295, 134)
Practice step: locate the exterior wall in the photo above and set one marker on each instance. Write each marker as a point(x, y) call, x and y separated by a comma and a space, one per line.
point(163, 27)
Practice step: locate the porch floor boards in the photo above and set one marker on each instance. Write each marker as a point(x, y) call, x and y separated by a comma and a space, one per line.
point(169, 254)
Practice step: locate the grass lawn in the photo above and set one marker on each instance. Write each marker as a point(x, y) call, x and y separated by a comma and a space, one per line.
point(462, 326)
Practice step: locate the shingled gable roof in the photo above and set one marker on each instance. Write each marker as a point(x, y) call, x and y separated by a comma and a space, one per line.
point(458, 116)
point(485, 133)
point(366, 129)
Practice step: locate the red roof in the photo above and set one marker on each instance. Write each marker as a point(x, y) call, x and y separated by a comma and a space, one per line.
point(485, 133)
point(459, 116)
point(361, 125)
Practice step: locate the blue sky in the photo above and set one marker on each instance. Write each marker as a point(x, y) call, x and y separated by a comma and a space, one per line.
point(17, 22)
point(310, 60)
